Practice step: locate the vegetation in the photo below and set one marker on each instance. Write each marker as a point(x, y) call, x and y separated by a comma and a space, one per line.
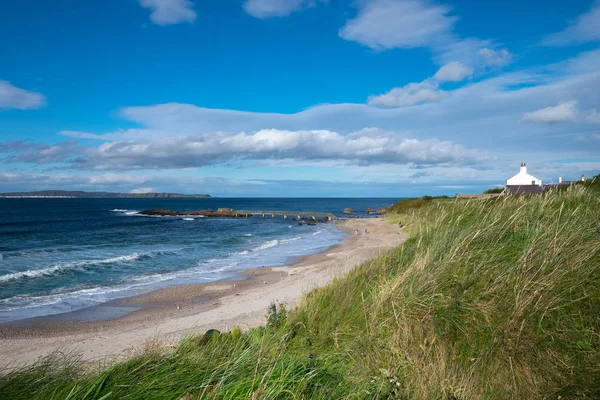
point(403, 206)
point(494, 190)
point(487, 299)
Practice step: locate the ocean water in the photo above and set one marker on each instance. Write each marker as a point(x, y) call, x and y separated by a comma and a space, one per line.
point(64, 255)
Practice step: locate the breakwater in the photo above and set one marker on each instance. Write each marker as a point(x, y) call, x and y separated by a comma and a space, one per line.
point(231, 213)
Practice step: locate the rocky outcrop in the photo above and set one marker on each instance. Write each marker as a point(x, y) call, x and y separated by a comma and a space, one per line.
point(369, 211)
point(349, 211)
point(383, 210)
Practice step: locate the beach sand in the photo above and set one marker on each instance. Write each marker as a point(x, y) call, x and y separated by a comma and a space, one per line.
point(167, 315)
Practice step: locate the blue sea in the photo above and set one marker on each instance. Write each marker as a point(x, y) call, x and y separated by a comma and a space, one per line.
point(62, 255)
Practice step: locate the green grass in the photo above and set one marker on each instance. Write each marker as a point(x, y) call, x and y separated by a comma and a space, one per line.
point(494, 190)
point(487, 299)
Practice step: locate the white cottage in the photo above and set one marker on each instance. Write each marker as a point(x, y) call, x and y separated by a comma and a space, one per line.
point(523, 178)
point(523, 183)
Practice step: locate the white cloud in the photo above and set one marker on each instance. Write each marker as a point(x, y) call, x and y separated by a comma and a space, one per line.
point(586, 28)
point(494, 106)
point(117, 178)
point(12, 97)
point(563, 112)
point(387, 24)
point(453, 72)
point(170, 12)
point(365, 147)
point(81, 135)
point(29, 152)
point(274, 8)
point(494, 58)
point(142, 190)
point(409, 95)
point(407, 24)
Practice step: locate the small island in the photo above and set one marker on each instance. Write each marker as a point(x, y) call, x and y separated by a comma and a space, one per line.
point(68, 194)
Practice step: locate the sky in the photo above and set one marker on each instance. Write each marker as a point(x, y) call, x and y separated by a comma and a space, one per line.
point(297, 98)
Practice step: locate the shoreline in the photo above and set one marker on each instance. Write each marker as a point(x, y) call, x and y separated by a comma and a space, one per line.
point(166, 315)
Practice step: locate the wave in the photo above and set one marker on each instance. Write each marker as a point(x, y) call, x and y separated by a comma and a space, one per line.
point(68, 266)
point(188, 219)
point(125, 212)
point(272, 243)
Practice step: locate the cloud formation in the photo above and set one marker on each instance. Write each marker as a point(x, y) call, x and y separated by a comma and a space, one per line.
point(170, 12)
point(365, 147)
point(12, 97)
point(562, 112)
point(410, 94)
point(494, 58)
point(408, 24)
point(388, 24)
point(453, 72)
point(586, 28)
point(26, 151)
point(274, 8)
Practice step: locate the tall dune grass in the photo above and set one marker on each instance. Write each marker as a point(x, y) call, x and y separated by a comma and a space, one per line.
point(488, 299)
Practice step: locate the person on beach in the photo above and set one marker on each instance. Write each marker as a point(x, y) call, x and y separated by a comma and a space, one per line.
point(356, 231)
point(366, 230)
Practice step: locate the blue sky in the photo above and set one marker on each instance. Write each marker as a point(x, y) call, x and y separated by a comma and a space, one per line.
point(296, 97)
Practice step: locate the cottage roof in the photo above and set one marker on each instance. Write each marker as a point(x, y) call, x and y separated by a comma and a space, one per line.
point(523, 178)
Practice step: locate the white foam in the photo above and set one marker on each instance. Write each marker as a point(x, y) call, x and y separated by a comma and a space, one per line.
point(188, 219)
point(266, 245)
point(275, 242)
point(126, 212)
point(36, 273)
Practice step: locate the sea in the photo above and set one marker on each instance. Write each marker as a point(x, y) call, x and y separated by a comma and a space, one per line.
point(62, 258)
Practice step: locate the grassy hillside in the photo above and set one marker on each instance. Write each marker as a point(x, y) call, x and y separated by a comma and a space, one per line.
point(488, 299)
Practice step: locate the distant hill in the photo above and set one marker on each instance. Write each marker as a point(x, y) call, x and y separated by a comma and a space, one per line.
point(99, 195)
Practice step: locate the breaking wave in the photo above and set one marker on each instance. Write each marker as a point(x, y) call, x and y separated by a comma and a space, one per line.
point(68, 266)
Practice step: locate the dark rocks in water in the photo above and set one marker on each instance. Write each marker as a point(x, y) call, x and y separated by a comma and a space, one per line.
point(158, 212)
point(369, 211)
point(349, 211)
point(383, 210)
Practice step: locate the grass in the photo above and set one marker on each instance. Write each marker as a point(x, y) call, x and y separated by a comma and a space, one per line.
point(488, 299)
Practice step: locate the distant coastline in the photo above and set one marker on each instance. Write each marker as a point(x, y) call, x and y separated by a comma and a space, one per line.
point(67, 194)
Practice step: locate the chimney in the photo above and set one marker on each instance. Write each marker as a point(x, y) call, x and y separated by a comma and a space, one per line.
point(523, 168)
point(560, 179)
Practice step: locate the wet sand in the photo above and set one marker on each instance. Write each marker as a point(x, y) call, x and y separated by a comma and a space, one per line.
point(165, 316)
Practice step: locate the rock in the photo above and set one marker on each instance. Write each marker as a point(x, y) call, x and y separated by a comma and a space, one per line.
point(383, 210)
point(369, 211)
point(159, 212)
point(349, 211)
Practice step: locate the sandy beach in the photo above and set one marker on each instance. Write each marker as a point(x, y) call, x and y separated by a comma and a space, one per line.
point(165, 316)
